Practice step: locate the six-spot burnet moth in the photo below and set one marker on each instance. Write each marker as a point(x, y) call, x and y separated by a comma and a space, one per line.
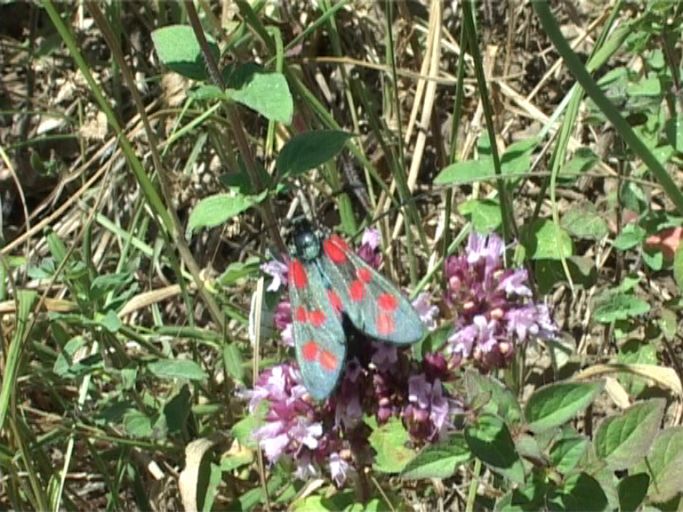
point(326, 281)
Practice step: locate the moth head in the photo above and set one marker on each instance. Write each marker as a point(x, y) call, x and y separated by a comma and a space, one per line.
point(305, 240)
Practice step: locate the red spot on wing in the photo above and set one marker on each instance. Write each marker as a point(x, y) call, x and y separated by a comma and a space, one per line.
point(335, 248)
point(364, 274)
point(301, 315)
point(357, 291)
point(316, 317)
point(385, 324)
point(297, 274)
point(310, 350)
point(327, 360)
point(387, 302)
point(334, 300)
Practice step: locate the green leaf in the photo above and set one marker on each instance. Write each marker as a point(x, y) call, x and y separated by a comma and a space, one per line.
point(499, 399)
point(308, 150)
point(579, 492)
point(623, 440)
point(632, 491)
point(619, 306)
point(566, 453)
point(631, 236)
point(674, 132)
point(544, 240)
point(439, 460)
point(231, 461)
point(483, 213)
point(650, 86)
point(243, 430)
point(664, 464)
point(678, 266)
point(465, 172)
point(583, 221)
point(490, 440)
point(206, 92)
point(389, 441)
point(232, 360)
point(555, 404)
point(517, 156)
point(266, 93)
point(214, 210)
point(239, 270)
point(635, 352)
point(583, 161)
point(137, 424)
point(178, 49)
point(110, 321)
point(177, 369)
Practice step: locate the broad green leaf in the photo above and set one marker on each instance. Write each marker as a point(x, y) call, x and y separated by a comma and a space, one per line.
point(177, 369)
point(635, 352)
point(650, 86)
point(266, 93)
point(174, 414)
point(631, 236)
point(664, 465)
point(137, 424)
point(555, 404)
point(439, 460)
point(566, 453)
point(583, 161)
point(243, 430)
point(232, 361)
point(578, 492)
point(389, 441)
point(619, 306)
point(110, 321)
point(623, 440)
point(517, 157)
point(214, 210)
point(499, 399)
point(206, 92)
point(583, 221)
point(484, 214)
point(545, 240)
point(239, 270)
point(233, 460)
point(632, 491)
point(465, 172)
point(490, 440)
point(178, 49)
point(308, 150)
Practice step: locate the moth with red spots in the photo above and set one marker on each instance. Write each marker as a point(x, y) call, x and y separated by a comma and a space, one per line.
point(326, 281)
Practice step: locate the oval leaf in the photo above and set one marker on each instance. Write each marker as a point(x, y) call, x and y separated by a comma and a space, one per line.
point(554, 405)
point(664, 464)
point(389, 441)
point(543, 239)
point(308, 150)
point(177, 369)
point(178, 49)
point(490, 440)
point(439, 460)
point(266, 93)
point(214, 210)
point(623, 440)
point(468, 171)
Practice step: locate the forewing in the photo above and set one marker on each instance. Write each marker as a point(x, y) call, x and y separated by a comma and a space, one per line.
point(319, 339)
point(373, 304)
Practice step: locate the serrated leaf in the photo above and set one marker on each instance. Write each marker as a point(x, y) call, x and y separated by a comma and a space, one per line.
point(501, 401)
point(631, 236)
point(308, 150)
point(490, 440)
point(623, 440)
point(266, 93)
point(664, 464)
point(215, 210)
point(619, 306)
point(484, 214)
point(389, 442)
point(632, 491)
point(555, 404)
point(583, 221)
point(438, 461)
point(465, 172)
point(177, 369)
point(545, 240)
point(566, 453)
point(178, 49)
point(578, 492)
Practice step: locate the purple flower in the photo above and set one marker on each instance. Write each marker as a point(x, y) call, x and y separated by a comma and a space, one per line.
point(369, 248)
point(339, 468)
point(428, 312)
point(429, 410)
point(278, 271)
point(492, 304)
point(385, 356)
